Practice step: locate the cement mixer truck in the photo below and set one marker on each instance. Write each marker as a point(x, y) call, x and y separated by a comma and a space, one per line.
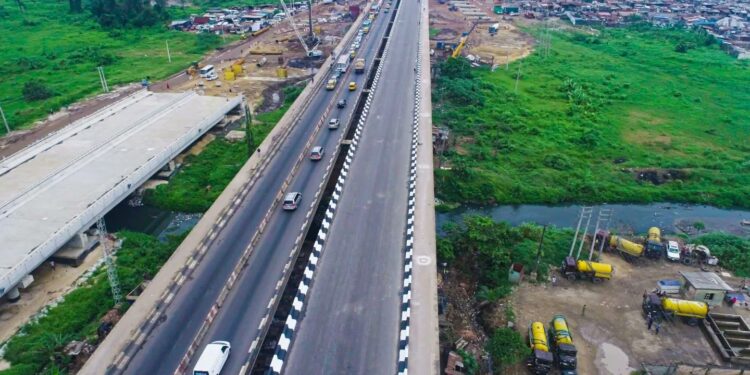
point(573, 269)
point(629, 249)
point(541, 359)
point(562, 343)
point(665, 308)
point(655, 249)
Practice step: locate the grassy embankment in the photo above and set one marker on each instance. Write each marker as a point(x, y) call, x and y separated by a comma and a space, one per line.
point(38, 349)
point(204, 176)
point(483, 250)
point(48, 44)
point(588, 119)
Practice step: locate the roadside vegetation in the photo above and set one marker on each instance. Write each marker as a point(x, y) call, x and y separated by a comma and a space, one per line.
point(39, 346)
point(204, 176)
point(49, 55)
point(613, 115)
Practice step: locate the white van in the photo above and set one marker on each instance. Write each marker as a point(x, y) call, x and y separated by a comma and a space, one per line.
point(213, 358)
point(207, 71)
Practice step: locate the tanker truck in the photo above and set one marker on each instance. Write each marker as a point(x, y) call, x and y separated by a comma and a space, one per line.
point(562, 342)
point(665, 308)
point(573, 269)
point(541, 359)
point(655, 249)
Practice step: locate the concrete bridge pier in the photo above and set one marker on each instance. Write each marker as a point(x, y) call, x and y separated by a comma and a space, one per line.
point(75, 251)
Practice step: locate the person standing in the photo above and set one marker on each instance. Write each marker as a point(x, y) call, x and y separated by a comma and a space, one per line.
point(650, 321)
point(656, 328)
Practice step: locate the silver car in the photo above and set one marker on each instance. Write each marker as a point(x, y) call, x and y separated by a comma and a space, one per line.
point(291, 201)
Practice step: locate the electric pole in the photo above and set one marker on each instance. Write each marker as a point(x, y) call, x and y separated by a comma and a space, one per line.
point(102, 78)
point(309, 21)
point(111, 270)
point(169, 55)
point(5, 121)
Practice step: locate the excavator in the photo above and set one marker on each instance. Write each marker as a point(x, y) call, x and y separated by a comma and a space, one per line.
point(462, 43)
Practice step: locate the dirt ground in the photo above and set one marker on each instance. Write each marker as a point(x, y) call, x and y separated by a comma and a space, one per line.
point(611, 336)
point(48, 285)
point(509, 44)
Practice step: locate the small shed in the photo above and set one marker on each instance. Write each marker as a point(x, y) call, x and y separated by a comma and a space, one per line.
point(706, 287)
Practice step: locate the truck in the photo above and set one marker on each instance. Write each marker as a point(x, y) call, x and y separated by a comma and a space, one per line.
point(573, 269)
point(667, 308)
point(655, 249)
point(562, 345)
point(541, 359)
point(359, 66)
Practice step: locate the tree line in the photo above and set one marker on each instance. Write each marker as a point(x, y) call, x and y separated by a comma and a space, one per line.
point(124, 13)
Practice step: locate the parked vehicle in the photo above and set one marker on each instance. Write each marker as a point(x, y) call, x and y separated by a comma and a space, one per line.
point(668, 287)
point(562, 345)
point(654, 247)
point(213, 358)
point(541, 359)
point(697, 254)
point(582, 269)
point(333, 123)
point(673, 251)
point(207, 71)
point(316, 153)
point(341, 103)
point(665, 308)
point(291, 201)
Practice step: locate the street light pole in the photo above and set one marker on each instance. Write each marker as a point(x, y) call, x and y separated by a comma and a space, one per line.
point(169, 55)
point(5, 121)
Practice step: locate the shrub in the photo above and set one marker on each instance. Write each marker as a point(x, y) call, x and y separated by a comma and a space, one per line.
point(36, 90)
point(506, 347)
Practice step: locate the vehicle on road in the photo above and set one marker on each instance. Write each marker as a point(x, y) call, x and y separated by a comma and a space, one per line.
point(213, 358)
point(342, 102)
point(352, 86)
point(333, 123)
point(291, 201)
point(673, 251)
point(359, 66)
point(331, 84)
point(352, 53)
point(316, 153)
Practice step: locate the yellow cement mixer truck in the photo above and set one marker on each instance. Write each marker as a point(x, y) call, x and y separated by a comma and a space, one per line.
point(630, 250)
point(665, 308)
point(573, 269)
point(562, 345)
point(541, 359)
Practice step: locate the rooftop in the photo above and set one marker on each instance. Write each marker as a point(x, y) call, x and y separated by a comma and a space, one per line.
point(705, 280)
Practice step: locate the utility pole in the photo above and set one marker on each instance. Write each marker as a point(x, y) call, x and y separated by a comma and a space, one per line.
point(111, 270)
point(102, 78)
point(169, 55)
point(249, 130)
point(539, 252)
point(5, 121)
point(518, 75)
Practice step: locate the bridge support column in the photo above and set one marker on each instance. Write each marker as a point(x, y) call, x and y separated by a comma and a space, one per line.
point(13, 294)
point(75, 251)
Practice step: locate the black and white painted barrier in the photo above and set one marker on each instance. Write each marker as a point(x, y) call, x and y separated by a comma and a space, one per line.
point(403, 337)
point(298, 306)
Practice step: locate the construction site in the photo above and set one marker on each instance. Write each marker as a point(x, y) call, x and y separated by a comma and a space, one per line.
point(616, 305)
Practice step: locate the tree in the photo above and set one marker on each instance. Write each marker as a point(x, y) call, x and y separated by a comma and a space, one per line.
point(36, 90)
point(124, 13)
point(75, 6)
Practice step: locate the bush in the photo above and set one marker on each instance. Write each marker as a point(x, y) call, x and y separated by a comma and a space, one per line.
point(506, 347)
point(36, 90)
point(470, 363)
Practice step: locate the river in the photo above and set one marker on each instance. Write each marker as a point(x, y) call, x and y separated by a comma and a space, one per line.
point(149, 220)
point(626, 218)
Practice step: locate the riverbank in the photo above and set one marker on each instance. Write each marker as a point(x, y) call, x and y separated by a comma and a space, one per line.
point(612, 115)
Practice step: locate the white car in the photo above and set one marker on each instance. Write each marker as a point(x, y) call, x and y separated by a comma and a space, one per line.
point(213, 358)
point(673, 251)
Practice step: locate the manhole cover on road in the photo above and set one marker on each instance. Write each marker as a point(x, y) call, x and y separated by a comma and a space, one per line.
point(423, 260)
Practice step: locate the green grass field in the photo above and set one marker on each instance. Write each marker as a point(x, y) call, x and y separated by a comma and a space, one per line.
point(596, 120)
point(62, 50)
point(204, 176)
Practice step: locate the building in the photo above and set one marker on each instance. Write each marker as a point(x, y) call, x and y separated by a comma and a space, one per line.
point(706, 287)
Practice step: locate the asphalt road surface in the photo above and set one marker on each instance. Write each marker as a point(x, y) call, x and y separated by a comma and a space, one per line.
point(239, 318)
point(351, 323)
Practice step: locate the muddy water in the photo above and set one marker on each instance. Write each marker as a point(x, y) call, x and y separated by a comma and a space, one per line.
point(611, 360)
point(627, 218)
point(150, 220)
